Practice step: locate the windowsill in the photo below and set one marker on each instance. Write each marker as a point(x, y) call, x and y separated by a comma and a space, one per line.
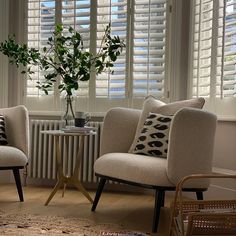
point(226, 118)
point(57, 114)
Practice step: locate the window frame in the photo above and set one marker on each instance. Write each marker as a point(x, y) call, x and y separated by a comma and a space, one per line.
point(176, 75)
point(224, 107)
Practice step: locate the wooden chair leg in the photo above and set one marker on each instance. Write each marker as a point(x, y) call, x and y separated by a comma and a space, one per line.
point(199, 195)
point(16, 173)
point(159, 202)
point(98, 193)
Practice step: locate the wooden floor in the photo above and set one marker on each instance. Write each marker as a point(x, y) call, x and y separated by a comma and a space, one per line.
point(134, 211)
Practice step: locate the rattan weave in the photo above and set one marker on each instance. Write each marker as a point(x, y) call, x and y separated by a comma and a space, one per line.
point(212, 217)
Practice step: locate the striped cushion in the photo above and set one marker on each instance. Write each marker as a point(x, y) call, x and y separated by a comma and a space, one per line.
point(3, 137)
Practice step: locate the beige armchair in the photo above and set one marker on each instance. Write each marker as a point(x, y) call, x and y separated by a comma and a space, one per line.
point(14, 156)
point(190, 151)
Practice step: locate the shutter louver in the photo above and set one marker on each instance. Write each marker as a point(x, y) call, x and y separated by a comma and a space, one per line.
point(214, 58)
point(112, 85)
point(76, 13)
point(149, 48)
point(41, 21)
point(202, 48)
point(138, 71)
point(226, 68)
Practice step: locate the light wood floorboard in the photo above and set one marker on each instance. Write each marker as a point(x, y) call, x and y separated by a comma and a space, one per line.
point(133, 211)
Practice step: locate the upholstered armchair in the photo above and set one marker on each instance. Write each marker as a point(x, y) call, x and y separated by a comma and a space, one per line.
point(190, 150)
point(14, 155)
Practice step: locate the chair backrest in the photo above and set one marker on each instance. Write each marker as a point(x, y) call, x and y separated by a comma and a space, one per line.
point(118, 130)
point(191, 144)
point(17, 127)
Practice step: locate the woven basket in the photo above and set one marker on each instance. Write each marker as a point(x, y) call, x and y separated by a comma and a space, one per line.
point(216, 217)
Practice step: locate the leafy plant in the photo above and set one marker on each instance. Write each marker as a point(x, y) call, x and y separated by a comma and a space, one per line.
point(64, 58)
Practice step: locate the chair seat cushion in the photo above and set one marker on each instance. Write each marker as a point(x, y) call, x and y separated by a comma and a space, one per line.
point(134, 168)
point(11, 156)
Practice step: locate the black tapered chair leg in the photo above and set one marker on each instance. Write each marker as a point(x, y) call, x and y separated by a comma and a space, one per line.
point(98, 193)
point(163, 199)
point(16, 173)
point(159, 202)
point(199, 195)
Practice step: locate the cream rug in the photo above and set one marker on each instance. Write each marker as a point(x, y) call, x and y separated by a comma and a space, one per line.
point(33, 225)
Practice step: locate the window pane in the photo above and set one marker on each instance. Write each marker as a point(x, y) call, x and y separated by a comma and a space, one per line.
point(41, 21)
point(202, 48)
point(214, 57)
point(228, 42)
point(76, 13)
point(112, 85)
point(149, 46)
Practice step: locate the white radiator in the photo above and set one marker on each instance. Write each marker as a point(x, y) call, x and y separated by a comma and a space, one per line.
point(42, 163)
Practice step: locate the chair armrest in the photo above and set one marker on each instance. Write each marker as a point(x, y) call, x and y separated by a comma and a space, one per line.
point(17, 127)
point(191, 144)
point(119, 129)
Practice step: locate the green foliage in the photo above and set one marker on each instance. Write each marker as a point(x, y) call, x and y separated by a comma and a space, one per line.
point(64, 58)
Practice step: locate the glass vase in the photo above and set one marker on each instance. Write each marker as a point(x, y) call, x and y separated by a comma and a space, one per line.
point(68, 112)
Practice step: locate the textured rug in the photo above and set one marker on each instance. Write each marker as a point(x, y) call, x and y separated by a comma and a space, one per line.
point(33, 225)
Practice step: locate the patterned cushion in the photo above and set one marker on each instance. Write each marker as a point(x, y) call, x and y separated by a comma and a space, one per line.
point(3, 137)
point(153, 139)
point(153, 105)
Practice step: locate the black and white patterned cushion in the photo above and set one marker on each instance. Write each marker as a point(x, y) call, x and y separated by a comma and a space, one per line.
point(153, 139)
point(3, 137)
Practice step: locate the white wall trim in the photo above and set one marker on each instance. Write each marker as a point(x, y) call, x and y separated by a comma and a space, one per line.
point(222, 188)
point(226, 118)
point(216, 192)
point(219, 191)
point(224, 171)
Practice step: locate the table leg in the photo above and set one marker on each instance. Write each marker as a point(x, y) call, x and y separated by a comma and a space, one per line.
point(64, 189)
point(81, 188)
point(75, 176)
point(74, 179)
point(57, 186)
point(60, 175)
point(58, 159)
point(79, 156)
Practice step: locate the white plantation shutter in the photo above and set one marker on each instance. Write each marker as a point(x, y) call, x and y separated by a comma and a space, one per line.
point(202, 47)
point(213, 48)
point(149, 47)
point(226, 68)
point(41, 21)
point(138, 71)
point(77, 15)
point(114, 12)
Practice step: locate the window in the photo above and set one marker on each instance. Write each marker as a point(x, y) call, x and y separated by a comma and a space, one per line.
point(138, 72)
point(213, 53)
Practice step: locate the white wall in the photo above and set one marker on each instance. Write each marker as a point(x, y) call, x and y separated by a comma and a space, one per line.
point(225, 145)
point(224, 161)
point(4, 29)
